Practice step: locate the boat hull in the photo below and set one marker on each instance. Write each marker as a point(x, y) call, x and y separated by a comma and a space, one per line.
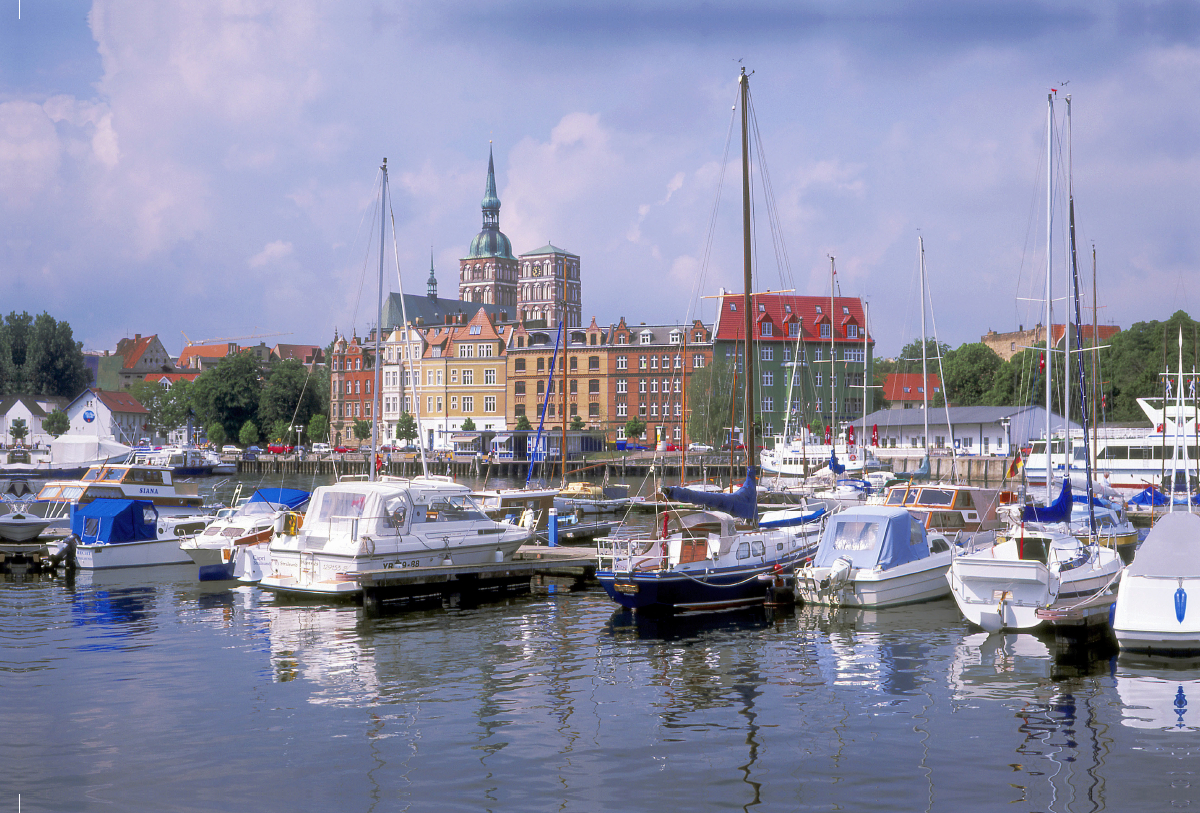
point(910, 583)
point(1158, 615)
point(103, 556)
point(21, 527)
point(676, 592)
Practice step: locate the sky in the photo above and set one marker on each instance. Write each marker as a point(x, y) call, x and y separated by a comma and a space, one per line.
point(211, 170)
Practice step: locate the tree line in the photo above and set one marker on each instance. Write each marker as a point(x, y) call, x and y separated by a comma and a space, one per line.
point(1127, 368)
point(40, 357)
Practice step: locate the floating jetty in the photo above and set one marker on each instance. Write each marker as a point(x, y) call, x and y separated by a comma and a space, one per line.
point(392, 589)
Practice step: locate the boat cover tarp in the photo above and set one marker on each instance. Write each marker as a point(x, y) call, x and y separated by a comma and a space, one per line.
point(1149, 496)
point(1171, 549)
point(788, 522)
point(872, 535)
point(287, 497)
point(742, 503)
point(1057, 511)
point(114, 521)
point(834, 465)
point(84, 450)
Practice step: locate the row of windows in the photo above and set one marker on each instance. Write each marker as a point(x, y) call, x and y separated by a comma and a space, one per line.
point(434, 403)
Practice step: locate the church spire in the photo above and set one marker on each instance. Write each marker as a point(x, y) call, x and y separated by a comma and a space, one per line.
point(431, 283)
point(491, 202)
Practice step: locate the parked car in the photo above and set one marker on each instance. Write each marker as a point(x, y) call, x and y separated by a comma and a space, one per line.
point(699, 447)
point(230, 449)
point(341, 449)
point(279, 448)
point(254, 449)
point(320, 448)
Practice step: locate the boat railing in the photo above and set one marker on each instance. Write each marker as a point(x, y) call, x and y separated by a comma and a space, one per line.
point(629, 553)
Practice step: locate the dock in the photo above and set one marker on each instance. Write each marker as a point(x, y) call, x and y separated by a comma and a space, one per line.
point(389, 590)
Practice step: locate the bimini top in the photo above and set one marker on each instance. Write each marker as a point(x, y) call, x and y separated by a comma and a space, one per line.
point(1171, 549)
point(114, 521)
point(872, 536)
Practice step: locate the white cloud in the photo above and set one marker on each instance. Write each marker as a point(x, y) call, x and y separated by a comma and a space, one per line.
point(29, 153)
point(272, 252)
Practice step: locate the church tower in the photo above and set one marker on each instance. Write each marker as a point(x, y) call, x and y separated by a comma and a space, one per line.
point(488, 274)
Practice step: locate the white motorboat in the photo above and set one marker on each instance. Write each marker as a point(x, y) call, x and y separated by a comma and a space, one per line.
point(1153, 615)
point(183, 461)
point(70, 456)
point(587, 498)
point(18, 525)
point(237, 543)
point(129, 533)
point(154, 484)
point(356, 526)
point(876, 556)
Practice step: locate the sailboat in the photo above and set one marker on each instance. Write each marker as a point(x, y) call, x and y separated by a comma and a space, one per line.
point(1037, 562)
point(704, 560)
point(353, 526)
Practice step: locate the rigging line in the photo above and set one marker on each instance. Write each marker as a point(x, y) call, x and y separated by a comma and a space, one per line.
point(362, 279)
point(1031, 222)
point(777, 240)
point(414, 367)
point(706, 252)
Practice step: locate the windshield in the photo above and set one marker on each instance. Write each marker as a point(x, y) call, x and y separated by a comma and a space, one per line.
point(455, 508)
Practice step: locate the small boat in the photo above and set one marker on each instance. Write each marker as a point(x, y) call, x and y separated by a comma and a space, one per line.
point(704, 561)
point(1152, 614)
point(127, 481)
point(18, 525)
point(527, 507)
point(356, 526)
point(876, 556)
point(116, 533)
point(592, 499)
point(237, 544)
point(183, 461)
point(951, 508)
point(70, 456)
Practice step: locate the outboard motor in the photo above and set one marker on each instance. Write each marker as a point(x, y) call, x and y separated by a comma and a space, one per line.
point(839, 573)
point(66, 554)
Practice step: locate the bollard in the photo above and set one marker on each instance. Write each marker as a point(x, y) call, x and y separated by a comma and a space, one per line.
point(552, 526)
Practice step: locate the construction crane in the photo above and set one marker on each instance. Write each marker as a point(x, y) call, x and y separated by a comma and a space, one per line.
point(231, 338)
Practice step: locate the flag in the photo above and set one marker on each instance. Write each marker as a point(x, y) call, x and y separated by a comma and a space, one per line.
point(1041, 362)
point(1015, 468)
point(850, 435)
point(875, 435)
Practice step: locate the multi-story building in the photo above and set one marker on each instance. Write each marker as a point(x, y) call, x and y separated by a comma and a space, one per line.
point(133, 360)
point(488, 274)
point(549, 289)
point(351, 379)
point(579, 386)
point(812, 356)
point(907, 390)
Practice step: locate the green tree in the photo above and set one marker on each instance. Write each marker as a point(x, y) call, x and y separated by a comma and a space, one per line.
point(710, 396)
point(216, 434)
point(576, 423)
point(19, 430)
point(523, 424)
point(10, 382)
point(229, 393)
point(290, 394)
point(248, 434)
point(634, 427)
point(406, 427)
point(281, 432)
point(362, 429)
point(970, 371)
point(318, 428)
point(155, 398)
point(468, 425)
point(912, 353)
point(56, 423)
point(54, 360)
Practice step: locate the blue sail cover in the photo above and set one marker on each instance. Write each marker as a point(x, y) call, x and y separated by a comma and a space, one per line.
point(742, 503)
point(1057, 511)
point(834, 465)
point(789, 522)
point(1149, 496)
point(287, 497)
point(115, 521)
point(873, 535)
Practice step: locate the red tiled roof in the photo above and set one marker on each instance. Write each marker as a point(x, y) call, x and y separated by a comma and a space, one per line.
point(730, 323)
point(304, 353)
point(1105, 332)
point(171, 377)
point(120, 402)
point(212, 351)
point(132, 349)
point(894, 389)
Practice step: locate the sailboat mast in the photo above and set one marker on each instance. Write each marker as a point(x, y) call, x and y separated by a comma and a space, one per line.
point(924, 353)
point(1068, 288)
point(563, 451)
point(1049, 286)
point(747, 279)
point(832, 353)
point(378, 327)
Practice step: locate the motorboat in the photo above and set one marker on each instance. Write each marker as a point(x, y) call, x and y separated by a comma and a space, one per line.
point(127, 481)
point(528, 507)
point(1034, 563)
point(19, 525)
point(70, 456)
point(876, 556)
point(112, 533)
point(951, 508)
point(356, 526)
point(183, 461)
point(705, 560)
point(237, 544)
point(592, 499)
point(1152, 614)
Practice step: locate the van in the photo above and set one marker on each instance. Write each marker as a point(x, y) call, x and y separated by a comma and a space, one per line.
point(320, 448)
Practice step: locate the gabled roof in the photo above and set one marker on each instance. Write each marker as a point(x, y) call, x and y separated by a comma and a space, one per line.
point(120, 402)
point(783, 308)
point(906, 387)
point(31, 404)
point(132, 349)
point(303, 353)
point(549, 249)
point(212, 351)
point(170, 378)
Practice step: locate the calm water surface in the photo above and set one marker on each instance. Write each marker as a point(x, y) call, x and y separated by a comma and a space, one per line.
point(143, 690)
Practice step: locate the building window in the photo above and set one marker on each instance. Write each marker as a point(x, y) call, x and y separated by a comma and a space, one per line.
point(622, 362)
point(454, 376)
point(593, 410)
point(593, 362)
point(852, 331)
point(641, 385)
point(622, 411)
point(641, 362)
point(826, 331)
point(697, 361)
point(468, 377)
point(793, 329)
point(489, 375)
point(654, 362)
point(519, 410)
point(468, 404)
point(519, 388)
point(489, 403)
point(621, 385)
point(541, 365)
point(768, 404)
point(768, 378)
point(654, 410)
point(485, 350)
point(429, 403)
point(766, 354)
point(519, 365)
point(466, 351)
point(645, 337)
point(768, 329)
point(454, 402)
point(620, 433)
point(654, 385)
point(439, 403)
point(641, 410)
point(593, 385)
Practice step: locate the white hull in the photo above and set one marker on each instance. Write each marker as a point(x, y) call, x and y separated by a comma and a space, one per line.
point(131, 554)
point(570, 506)
point(910, 583)
point(21, 527)
point(1148, 615)
point(996, 590)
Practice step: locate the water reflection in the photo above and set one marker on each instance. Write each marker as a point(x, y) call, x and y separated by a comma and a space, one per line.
point(1155, 694)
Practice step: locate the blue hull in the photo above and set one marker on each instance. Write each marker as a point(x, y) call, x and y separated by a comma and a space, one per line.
point(675, 591)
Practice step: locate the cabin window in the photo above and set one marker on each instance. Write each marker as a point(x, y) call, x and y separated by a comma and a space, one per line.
point(855, 535)
point(743, 550)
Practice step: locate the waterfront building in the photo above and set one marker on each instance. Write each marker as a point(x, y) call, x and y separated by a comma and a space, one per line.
point(977, 430)
point(907, 390)
point(821, 344)
point(351, 378)
point(109, 416)
point(32, 409)
point(1007, 345)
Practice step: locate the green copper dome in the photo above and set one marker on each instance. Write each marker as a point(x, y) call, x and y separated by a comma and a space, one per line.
point(491, 242)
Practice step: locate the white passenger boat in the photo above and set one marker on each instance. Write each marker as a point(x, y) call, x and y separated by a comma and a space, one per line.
point(237, 544)
point(129, 533)
point(357, 526)
point(155, 484)
point(1158, 608)
point(875, 556)
point(183, 461)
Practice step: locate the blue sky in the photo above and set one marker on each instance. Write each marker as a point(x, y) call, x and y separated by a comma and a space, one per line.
point(210, 168)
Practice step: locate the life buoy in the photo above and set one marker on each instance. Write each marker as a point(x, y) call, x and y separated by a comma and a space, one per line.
point(854, 457)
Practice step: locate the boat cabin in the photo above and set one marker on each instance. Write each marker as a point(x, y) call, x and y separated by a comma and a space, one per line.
point(510, 504)
point(948, 508)
point(127, 481)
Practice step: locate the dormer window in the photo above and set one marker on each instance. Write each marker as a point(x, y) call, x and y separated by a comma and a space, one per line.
point(793, 329)
point(645, 337)
point(826, 331)
point(676, 337)
point(768, 329)
point(852, 332)
point(475, 330)
point(622, 339)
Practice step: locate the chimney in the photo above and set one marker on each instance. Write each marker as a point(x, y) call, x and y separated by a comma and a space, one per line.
point(137, 337)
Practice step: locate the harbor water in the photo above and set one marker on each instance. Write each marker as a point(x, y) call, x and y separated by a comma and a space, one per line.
point(145, 690)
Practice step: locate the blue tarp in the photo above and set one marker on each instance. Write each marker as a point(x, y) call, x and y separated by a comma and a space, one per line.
point(1057, 511)
point(1149, 496)
point(873, 535)
point(789, 522)
point(287, 497)
point(115, 521)
point(742, 503)
point(834, 465)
